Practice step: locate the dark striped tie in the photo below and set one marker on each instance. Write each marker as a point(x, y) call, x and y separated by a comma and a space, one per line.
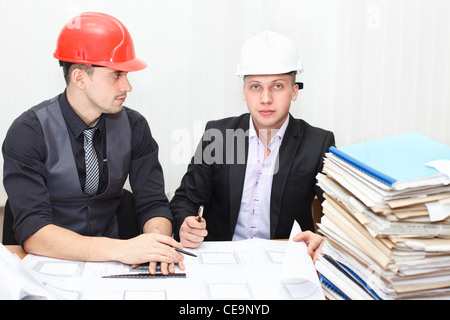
point(92, 170)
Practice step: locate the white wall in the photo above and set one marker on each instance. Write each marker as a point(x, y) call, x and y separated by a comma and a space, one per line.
point(373, 68)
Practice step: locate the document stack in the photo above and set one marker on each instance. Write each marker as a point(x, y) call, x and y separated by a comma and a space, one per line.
point(386, 220)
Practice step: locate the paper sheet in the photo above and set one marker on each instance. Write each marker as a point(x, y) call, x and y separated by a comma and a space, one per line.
point(443, 166)
point(251, 269)
point(438, 211)
point(16, 282)
point(298, 269)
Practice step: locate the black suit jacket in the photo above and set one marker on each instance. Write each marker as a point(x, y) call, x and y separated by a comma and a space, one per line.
point(218, 183)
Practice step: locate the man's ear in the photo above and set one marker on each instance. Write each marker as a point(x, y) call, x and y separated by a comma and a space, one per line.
point(295, 91)
point(78, 78)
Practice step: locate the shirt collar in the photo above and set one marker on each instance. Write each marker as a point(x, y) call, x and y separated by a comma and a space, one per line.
point(280, 133)
point(74, 122)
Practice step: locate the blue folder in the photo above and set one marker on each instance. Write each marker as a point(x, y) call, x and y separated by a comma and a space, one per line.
point(397, 159)
point(327, 283)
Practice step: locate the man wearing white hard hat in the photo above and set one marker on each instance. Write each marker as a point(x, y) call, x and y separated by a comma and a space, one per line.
point(256, 173)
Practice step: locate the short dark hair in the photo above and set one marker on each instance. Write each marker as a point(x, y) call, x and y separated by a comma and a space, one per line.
point(68, 68)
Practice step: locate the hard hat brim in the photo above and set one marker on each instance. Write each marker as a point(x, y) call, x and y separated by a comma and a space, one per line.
point(128, 66)
point(244, 73)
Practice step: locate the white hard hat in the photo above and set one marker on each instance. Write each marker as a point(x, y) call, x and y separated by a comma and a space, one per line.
point(269, 53)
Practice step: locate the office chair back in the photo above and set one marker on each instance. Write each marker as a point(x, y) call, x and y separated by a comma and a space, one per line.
point(126, 217)
point(8, 233)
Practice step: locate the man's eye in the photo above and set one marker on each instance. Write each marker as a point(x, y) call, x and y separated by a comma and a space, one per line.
point(278, 86)
point(255, 87)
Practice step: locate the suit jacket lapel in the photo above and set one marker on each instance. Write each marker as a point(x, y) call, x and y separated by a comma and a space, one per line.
point(288, 149)
point(237, 176)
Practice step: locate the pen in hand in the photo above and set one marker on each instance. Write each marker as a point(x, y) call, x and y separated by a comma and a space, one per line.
point(185, 252)
point(200, 214)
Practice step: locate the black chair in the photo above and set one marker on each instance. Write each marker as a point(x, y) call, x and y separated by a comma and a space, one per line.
point(126, 218)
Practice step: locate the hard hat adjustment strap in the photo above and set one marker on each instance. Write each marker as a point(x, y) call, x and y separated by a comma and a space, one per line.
point(88, 65)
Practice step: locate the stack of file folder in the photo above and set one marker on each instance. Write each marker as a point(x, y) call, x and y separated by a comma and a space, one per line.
point(386, 220)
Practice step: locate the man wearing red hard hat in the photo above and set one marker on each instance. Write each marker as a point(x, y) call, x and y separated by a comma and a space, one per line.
point(67, 159)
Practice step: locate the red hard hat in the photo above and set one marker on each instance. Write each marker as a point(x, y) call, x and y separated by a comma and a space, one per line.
point(98, 39)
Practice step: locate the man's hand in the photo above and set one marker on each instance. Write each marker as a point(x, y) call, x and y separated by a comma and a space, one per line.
point(152, 248)
point(160, 225)
point(192, 232)
point(313, 241)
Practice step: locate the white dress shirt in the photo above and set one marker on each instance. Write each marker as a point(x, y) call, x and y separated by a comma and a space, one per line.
point(254, 213)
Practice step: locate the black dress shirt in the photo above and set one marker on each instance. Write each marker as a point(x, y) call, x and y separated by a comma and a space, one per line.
point(24, 153)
